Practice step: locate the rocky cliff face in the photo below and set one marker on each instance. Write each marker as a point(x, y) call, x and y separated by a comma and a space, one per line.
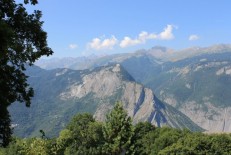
point(140, 102)
point(62, 93)
point(201, 90)
point(213, 120)
point(196, 81)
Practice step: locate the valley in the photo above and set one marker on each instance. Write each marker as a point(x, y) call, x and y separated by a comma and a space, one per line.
point(191, 93)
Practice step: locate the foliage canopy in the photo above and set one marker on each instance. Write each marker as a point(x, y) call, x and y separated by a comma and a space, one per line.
point(23, 41)
point(85, 135)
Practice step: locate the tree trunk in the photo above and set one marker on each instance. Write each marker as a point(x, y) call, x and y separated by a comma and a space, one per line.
point(5, 126)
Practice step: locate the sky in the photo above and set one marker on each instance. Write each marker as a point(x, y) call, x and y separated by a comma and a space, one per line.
point(98, 27)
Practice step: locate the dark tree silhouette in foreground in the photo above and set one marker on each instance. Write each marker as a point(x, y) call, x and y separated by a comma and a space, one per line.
point(22, 42)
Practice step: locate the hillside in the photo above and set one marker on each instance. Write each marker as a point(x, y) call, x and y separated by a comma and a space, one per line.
point(195, 80)
point(200, 88)
point(61, 93)
point(197, 83)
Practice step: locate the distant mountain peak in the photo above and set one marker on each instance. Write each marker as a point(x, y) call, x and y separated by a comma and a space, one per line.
point(61, 93)
point(114, 68)
point(159, 48)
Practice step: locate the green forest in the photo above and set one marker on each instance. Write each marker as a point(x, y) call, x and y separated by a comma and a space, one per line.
point(22, 42)
point(117, 135)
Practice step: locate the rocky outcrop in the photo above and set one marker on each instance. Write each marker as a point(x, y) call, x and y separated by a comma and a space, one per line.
point(200, 88)
point(140, 102)
point(180, 78)
point(213, 120)
point(62, 93)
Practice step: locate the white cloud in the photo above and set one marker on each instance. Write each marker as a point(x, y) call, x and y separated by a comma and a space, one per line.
point(167, 33)
point(127, 41)
point(144, 36)
point(73, 46)
point(99, 44)
point(193, 37)
point(109, 43)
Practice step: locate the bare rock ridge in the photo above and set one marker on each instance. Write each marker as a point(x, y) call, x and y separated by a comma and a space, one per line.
point(214, 120)
point(140, 102)
point(62, 93)
point(195, 81)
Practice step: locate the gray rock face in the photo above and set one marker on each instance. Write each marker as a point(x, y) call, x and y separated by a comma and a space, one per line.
point(214, 120)
point(140, 102)
point(62, 93)
point(208, 100)
point(183, 79)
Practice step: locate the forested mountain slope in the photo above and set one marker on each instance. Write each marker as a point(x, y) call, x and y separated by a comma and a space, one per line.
point(61, 93)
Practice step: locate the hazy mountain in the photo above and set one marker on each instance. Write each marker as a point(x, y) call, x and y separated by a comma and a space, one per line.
point(195, 80)
point(61, 93)
point(66, 62)
point(199, 87)
point(198, 84)
point(158, 53)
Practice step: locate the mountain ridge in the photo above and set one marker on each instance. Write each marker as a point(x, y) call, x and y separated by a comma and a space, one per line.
point(61, 93)
point(195, 80)
point(158, 53)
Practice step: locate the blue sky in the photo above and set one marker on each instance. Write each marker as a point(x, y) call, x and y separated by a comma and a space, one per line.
point(84, 27)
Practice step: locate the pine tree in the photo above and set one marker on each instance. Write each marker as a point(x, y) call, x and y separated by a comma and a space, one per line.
point(117, 131)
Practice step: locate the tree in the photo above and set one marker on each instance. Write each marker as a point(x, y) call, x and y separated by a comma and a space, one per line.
point(160, 138)
point(5, 130)
point(199, 143)
point(117, 131)
point(83, 135)
point(22, 42)
point(137, 144)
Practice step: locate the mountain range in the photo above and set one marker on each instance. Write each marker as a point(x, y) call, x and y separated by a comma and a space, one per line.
point(62, 93)
point(189, 88)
